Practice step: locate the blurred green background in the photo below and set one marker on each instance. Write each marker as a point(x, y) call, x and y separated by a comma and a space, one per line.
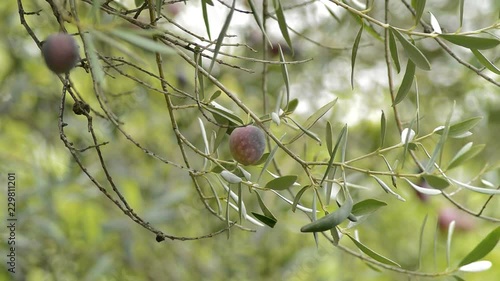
point(68, 230)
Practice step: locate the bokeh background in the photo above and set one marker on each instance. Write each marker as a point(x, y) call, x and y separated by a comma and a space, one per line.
point(67, 229)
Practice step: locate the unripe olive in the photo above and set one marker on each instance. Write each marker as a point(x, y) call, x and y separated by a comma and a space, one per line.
point(60, 52)
point(247, 144)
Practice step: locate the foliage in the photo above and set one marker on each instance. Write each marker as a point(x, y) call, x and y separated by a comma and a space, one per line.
point(352, 143)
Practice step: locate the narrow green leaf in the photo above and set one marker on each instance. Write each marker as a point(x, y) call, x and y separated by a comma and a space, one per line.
point(97, 70)
point(264, 208)
point(230, 177)
point(298, 196)
point(263, 159)
point(412, 51)
point(344, 151)
point(198, 76)
point(240, 207)
point(227, 208)
point(439, 147)
point(291, 106)
point(245, 173)
point(282, 22)
point(482, 190)
point(330, 220)
point(223, 115)
point(393, 48)
point(335, 236)
point(313, 119)
point(373, 267)
point(420, 241)
point(387, 189)
point(318, 114)
point(367, 26)
point(407, 140)
point(460, 128)
point(418, 6)
point(116, 44)
point(306, 131)
point(354, 52)
point(366, 207)
point(275, 115)
point(221, 132)
point(329, 136)
point(225, 166)
point(271, 222)
point(141, 41)
point(471, 42)
point(240, 204)
point(465, 153)
point(329, 174)
point(393, 178)
point(221, 36)
point(268, 160)
point(329, 184)
point(483, 248)
point(374, 255)
point(281, 183)
point(352, 218)
point(314, 205)
point(406, 83)
point(451, 229)
point(284, 72)
point(485, 62)
point(204, 135)
point(331, 12)
point(423, 190)
point(461, 12)
point(205, 17)
point(215, 196)
point(333, 153)
point(436, 181)
point(214, 96)
point(258, 20)
point(383, 128)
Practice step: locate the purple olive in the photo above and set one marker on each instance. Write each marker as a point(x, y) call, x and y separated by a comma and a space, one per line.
point(247, 144)
point(463, 221)
point(60, 52)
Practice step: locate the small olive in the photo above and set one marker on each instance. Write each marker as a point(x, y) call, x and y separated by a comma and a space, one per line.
point(60, 52)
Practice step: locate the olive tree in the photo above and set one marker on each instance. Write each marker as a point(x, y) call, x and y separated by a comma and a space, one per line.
point(353, 107)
